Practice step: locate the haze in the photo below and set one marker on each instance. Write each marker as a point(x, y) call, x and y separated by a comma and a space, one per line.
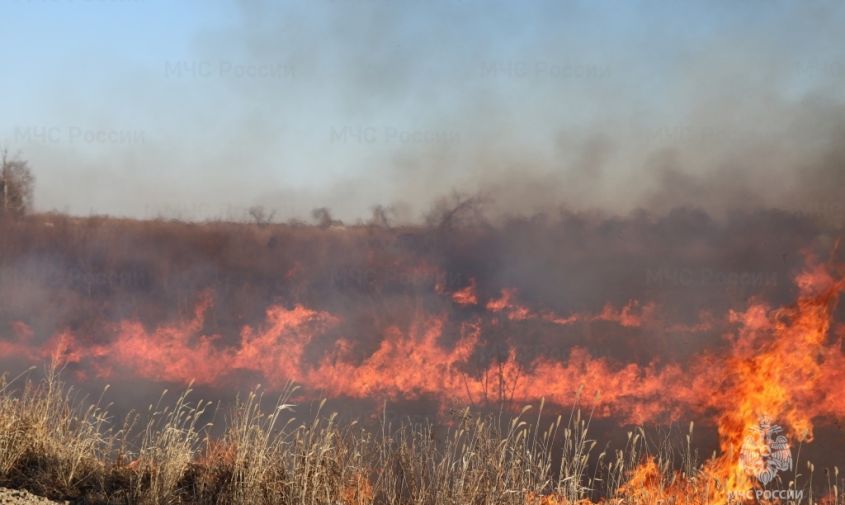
point(348, 104)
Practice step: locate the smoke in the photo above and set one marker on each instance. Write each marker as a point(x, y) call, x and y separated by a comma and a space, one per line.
point(351, 104)
point(567, 191)
point(641, 312)
point(638, 287)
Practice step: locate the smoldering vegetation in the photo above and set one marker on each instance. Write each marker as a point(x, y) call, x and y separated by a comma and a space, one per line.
point(85, 274)
point(679, 271)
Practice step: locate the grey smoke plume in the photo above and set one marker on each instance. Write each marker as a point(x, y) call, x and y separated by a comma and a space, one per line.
point(350, 104)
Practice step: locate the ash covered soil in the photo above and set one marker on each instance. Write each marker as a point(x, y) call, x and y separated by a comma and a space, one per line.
point(20, 497)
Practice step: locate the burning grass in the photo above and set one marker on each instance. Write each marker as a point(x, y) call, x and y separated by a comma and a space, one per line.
point(58, 445)
point(773, 363)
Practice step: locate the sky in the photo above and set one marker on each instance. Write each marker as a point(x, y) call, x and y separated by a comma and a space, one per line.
point(201, 109)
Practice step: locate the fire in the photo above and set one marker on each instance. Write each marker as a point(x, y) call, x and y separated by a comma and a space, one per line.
point(467, 295)
point(779, 369)
point(783, 364)
point(358, 491)
point(646, 486)
point(777, 363)
point(633, 314)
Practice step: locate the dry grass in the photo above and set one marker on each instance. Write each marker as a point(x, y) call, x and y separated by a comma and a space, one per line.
point(57, 444)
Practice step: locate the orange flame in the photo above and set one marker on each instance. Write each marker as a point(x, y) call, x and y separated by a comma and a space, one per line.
point(783, 363)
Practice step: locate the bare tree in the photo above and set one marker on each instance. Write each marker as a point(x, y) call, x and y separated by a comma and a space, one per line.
point(381, 216)
point(17, 185)
point(324, 218)
point(261, 216)
point(455, 210)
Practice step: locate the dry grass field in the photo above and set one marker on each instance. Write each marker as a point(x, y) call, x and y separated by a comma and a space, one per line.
point(58, 446)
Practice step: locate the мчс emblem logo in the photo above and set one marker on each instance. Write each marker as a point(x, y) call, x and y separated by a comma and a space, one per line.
point(765, 451)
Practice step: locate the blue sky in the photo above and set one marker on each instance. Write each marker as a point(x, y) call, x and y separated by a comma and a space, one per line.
point(202, 109)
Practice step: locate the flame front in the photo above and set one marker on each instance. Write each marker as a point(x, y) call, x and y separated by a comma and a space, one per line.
point(782, 363)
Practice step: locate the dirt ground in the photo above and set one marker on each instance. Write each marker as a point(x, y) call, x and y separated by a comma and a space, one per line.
point(17, 497)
